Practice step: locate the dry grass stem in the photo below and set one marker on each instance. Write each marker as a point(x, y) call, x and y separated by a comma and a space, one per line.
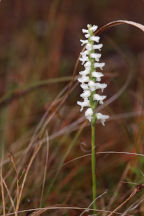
point(45, 168)
point(137, 189)
point(2, 193)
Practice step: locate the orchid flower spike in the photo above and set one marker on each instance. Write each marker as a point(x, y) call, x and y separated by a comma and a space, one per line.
point(90, 77)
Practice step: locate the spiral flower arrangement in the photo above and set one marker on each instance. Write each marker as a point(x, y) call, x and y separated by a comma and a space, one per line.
point(90, 77)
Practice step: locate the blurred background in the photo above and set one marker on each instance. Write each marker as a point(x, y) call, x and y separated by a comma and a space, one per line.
point(39, 46)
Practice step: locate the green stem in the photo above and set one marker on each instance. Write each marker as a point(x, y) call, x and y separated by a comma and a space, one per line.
point(93, 161)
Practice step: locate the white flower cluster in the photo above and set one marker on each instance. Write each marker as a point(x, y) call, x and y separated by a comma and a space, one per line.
point(90, 78)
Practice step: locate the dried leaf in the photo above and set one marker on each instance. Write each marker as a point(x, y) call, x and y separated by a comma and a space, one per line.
point(119, 22)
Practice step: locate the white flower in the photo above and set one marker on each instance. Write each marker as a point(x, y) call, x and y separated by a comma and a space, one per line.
point(101, 86)
point(89, 114)
point(84, 86)
point(83, 59)
point(99, 98)
point(89, 47)
point(87, 35)
point(83, 42)
point(91, 85)
point(83, 104)
point(85, 30)
point(84, 52)
point(86, 94)
point(97, 75)
point(95, 38)
point(98, 46)
point(85, 72)
point(96, 56)
point(102, 118)
point(87, 64)
point(92, 28)
point(99, 65)
point(95, 85)
point(83, 79)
